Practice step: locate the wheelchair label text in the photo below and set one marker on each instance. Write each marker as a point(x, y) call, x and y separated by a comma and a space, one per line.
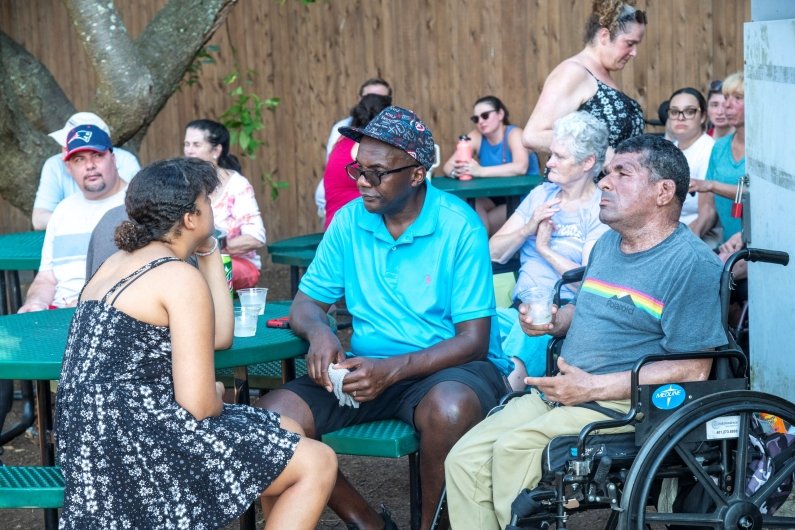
point(668, 397)
point(723, 427)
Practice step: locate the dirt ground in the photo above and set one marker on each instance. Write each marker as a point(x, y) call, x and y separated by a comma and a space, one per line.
point(379, 480)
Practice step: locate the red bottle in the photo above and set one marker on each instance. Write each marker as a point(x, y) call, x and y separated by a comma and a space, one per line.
point(463, 154)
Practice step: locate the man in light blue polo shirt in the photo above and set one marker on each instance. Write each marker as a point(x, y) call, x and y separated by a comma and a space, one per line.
point(413, 265)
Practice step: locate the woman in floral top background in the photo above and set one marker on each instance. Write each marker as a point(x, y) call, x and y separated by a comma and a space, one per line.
point(235, 209)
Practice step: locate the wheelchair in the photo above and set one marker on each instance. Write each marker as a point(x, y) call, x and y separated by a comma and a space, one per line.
point(690, 440)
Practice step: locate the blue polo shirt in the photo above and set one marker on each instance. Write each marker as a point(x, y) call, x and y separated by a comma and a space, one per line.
point(407, 294)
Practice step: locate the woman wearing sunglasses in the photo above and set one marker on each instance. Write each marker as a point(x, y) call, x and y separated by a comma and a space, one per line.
point(500, 155)
point(584, 81)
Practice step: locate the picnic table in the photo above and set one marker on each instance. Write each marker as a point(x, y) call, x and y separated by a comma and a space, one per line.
point(514, 188)
point(19, 251)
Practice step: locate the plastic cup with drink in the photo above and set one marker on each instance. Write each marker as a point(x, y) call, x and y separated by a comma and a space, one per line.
point(539, 302)
point(254, 296)
point(246, 320)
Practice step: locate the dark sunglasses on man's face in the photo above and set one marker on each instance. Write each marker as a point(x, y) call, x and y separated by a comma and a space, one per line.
point(482, 116)
point(372, 176)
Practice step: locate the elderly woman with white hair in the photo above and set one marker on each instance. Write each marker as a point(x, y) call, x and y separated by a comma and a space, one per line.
point(554, 229)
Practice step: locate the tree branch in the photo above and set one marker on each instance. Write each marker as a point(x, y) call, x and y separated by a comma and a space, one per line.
point(171, 41)
point(31, 105)
point(125, 82)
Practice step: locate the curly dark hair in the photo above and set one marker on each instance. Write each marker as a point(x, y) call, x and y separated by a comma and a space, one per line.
point(158, 198)
point(217, 134)
point(615, 15)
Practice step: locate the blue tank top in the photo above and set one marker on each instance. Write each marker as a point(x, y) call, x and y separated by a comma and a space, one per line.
point(498, 154)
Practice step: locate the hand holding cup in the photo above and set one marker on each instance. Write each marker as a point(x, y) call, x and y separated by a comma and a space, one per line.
point(536, 309)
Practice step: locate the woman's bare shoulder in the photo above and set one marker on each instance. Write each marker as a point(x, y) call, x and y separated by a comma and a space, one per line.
point(570, 71)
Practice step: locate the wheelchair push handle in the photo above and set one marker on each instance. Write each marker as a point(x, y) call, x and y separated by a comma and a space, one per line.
point(768, 256)
point(757, 254)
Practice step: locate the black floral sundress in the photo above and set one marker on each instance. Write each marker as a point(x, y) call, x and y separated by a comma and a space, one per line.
point(622, 114)
point(131, 456)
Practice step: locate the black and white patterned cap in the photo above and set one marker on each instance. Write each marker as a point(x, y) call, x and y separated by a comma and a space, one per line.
point(399, 128)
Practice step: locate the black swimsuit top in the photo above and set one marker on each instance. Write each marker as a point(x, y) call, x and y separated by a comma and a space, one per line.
point(622, 114)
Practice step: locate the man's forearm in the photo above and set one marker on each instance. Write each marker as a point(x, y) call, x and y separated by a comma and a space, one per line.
point(470, 343)
point(563, 320)
point(40, 218)
point(41, 292)
point(617, 385)
point(308, 317)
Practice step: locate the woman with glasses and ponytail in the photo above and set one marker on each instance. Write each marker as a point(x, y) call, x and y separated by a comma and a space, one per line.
point(613, 33)
point(500, 155)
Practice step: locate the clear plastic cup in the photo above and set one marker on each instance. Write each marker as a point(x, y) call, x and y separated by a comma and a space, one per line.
point(539, 300)
point(246, 320)
point(254, 296)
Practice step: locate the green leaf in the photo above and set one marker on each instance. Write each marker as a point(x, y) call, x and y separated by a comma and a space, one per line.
point(245, 140)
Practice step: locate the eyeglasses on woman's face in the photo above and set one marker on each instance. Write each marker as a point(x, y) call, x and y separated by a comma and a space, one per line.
point(482, 116)
point(372, 176)
point(679, 114)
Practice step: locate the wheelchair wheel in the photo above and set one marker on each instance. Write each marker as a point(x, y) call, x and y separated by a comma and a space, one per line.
point(678, 448)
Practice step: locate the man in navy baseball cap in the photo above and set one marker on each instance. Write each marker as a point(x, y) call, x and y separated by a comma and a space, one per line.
point(86, 138)
point(89, 160)
point(413, 265)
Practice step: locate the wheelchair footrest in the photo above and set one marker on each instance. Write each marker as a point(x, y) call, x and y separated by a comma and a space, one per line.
point(620, 448)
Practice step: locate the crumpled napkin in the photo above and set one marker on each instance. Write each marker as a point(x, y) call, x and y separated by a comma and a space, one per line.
point(336, 375)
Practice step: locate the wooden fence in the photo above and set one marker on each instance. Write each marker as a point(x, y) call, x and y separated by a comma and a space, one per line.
point(439, 55)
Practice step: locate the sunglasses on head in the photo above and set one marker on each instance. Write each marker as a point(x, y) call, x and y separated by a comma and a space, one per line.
point(482, 116)
point(716, 86)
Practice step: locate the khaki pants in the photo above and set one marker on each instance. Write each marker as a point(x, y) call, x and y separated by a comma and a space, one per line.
point(492, 463)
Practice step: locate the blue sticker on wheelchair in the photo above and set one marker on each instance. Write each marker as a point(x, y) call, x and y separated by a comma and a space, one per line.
point(668, 397)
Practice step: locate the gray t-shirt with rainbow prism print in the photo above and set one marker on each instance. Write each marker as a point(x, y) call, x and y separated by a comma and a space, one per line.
point(661, 300)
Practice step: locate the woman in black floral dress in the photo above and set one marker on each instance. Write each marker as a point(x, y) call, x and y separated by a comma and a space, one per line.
point(584, 82)
point(144, 438)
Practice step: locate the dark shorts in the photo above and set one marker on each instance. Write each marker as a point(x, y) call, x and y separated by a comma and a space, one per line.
point(399, 400)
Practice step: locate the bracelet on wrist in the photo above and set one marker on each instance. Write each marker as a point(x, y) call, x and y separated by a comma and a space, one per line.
point(205, 254)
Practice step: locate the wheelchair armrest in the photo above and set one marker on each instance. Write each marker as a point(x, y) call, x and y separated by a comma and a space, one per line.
point(512, 265)
point(629, 417)
point(570, 276)
point(553, 349)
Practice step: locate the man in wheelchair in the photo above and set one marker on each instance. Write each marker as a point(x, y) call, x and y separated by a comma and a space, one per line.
point(651, 286)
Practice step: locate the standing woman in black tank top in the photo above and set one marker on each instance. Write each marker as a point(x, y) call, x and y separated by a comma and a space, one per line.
point(584, 81)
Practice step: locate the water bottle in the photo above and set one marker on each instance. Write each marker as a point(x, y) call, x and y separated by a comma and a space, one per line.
point(463, 153)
